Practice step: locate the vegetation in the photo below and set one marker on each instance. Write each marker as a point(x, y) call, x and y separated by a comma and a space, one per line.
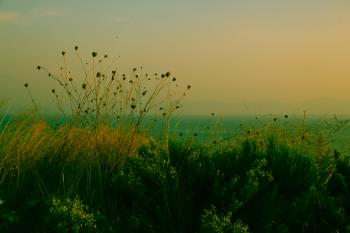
point(91, 174)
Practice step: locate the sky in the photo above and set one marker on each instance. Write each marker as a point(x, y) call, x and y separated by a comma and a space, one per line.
point(240, 56)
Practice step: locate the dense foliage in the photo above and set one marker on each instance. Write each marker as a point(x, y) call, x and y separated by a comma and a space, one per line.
point(251, 186)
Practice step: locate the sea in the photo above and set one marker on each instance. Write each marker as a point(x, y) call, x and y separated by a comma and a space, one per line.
point(208, 128)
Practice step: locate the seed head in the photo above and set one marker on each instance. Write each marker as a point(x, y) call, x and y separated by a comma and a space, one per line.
point(38, 67)
point(53, 90)
point(174, 79)
point(63, 53)
point(70, 79)
point(76, 48)
point(83, 86)
point(105, 56)
point(134, 69)
point(189, 87)
point(98, 74)
point(26, 85)
point(94, 54)
point(114, 72)
point(133, 106)
point(286, 116)
point(163, 75)
point(167, 74)
point(275, 119)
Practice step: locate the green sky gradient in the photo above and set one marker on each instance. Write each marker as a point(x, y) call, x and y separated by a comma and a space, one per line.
point(242, 57)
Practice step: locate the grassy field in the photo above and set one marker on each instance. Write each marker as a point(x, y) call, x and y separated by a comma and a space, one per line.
point(100, 171)
point(72, 179)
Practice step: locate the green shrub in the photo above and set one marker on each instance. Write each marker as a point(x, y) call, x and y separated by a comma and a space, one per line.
point(70, 216)
point(212, 223)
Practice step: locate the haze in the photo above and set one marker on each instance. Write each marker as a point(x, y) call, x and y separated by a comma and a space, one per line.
point(241, 57)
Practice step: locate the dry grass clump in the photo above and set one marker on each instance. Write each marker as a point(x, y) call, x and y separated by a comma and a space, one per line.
point(22, 146)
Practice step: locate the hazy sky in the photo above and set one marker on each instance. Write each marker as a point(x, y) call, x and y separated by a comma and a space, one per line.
point(241, 56)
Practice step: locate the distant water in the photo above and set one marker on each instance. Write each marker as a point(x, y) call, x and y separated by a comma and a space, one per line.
point(207, 128)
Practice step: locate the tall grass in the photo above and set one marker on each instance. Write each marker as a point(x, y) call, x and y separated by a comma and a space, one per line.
point(99, 172)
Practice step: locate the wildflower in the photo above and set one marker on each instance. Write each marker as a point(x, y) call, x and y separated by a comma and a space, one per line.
point(63, 53)
point(26, 85)
point(38, 67)
point(76, 48)
point(167, 74)
point(174, 79)
point(83, 86)
point(94, 54)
